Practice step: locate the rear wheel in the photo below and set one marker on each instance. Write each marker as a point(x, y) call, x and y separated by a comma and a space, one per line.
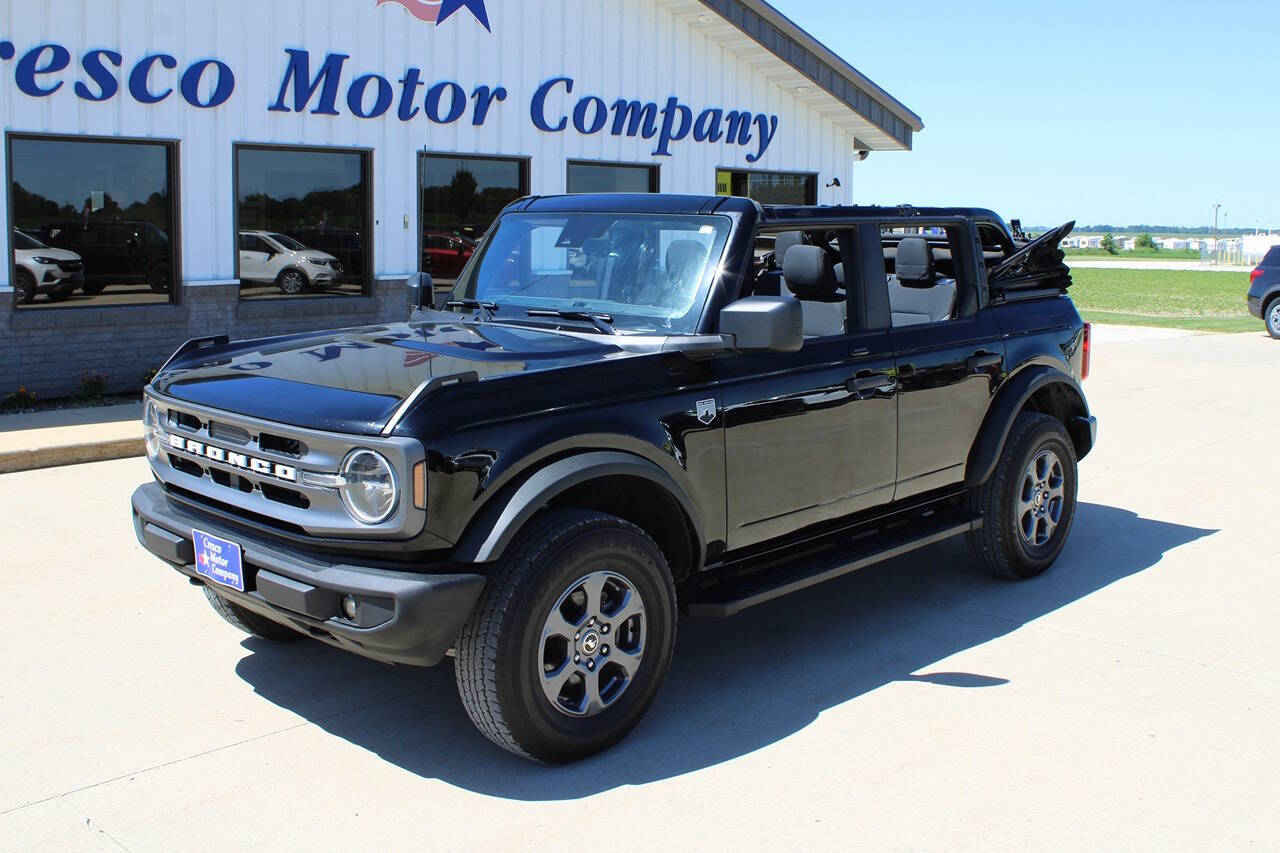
point(571, 639)
point(24, 286)
point(250, 622)
point(1029, 502)
point(1271, 314)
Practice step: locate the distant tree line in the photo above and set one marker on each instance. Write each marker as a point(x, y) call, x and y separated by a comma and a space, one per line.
point(32, 209)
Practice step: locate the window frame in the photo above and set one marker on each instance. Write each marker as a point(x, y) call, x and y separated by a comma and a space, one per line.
point(172, 178)
point(654, 170)
point(366, 179)
point(810, 184)
point(524, 161)
point(968, 278)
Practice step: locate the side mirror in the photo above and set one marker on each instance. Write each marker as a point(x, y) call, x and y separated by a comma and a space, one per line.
point(421, 291)
point(764, 324)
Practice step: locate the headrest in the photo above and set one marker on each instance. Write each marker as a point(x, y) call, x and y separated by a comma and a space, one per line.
point(685, 258)
point(783, 243)
point(810, 273)
point(914, 262)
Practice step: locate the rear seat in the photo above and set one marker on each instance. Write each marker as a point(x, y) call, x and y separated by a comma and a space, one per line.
point(916, 294)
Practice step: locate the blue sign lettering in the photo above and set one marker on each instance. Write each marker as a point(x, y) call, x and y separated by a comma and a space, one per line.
point(209, 83)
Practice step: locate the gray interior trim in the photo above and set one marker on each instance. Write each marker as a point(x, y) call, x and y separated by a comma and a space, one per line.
point(781, 36)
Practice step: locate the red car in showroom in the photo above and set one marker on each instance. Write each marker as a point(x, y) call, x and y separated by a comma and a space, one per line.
point(444, 253)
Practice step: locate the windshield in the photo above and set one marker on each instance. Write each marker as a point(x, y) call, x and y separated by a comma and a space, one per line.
point(649, 273)
point(25, 241)
point(288, 242)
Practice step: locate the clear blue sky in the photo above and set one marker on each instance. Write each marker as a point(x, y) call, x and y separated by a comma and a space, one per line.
point(1125, 113)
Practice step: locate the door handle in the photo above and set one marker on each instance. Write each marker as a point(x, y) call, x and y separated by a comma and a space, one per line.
point(980, 360)
point(865, 382)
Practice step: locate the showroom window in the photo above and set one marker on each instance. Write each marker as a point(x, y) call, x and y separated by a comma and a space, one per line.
point(302, 217)
point(93, 221)
point(769, 187)
point(458, 198)
point(587, 177)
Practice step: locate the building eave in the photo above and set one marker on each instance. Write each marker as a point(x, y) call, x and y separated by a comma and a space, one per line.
point(884, 123)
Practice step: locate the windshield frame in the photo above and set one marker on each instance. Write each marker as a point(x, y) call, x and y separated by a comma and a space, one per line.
point(20, 235)
point(633, 323)
point(283, 241)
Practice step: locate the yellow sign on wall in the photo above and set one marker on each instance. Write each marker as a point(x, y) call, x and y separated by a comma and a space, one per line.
point(724, 182)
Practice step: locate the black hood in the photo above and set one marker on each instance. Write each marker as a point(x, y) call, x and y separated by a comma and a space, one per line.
point(352, 380)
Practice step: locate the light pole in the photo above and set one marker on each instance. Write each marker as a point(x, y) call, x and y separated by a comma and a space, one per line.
point(1216, 205)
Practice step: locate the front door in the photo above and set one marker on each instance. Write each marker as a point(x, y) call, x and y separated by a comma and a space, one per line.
point(254, 256)
point(809, 436)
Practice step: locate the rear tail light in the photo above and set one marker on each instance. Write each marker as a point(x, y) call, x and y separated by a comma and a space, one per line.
point(1255, 275)
point(1084, 363)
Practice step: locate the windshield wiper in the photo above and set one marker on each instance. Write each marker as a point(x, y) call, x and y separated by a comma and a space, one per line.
point(489, 308)
point(602, 322)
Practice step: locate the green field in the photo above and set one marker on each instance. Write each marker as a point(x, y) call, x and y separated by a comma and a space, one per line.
point(1135, 255)
point(1175, 299)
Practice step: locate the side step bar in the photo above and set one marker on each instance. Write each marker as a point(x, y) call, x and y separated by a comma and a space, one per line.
point(740, 593)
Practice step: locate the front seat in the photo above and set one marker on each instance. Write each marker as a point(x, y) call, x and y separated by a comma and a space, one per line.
point(916, 293)
point(811, 277)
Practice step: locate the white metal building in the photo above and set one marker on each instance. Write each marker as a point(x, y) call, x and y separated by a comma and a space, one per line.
point(191, 152)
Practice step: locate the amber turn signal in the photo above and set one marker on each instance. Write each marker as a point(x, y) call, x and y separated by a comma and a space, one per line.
point(420, 485)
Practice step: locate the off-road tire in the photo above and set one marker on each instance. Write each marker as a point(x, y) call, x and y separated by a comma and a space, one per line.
point(499, 648)
point(998, 546)
point(93, 288)
point(24, 286)
point(1271, 317)
point(60, 295)
point(250, 622)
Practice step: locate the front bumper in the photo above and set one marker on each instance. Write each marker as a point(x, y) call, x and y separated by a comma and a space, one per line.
point(401, 617)
point(1255, 305)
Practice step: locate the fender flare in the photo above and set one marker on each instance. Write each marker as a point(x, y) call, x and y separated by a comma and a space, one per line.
point(491, 530)
point(986, 450)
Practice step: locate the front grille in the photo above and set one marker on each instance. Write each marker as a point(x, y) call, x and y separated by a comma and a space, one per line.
point(280, 444)
point(70, 266)
point(262, 469)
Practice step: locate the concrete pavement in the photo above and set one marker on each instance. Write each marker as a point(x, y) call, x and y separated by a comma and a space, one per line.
point(1125, 700)
point(1124, 264)
point(70, 436)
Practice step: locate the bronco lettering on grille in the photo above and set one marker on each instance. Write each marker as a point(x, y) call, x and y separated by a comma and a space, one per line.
point(235, 460)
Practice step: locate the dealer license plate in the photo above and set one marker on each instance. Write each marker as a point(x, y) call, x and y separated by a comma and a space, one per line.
point(218, 560)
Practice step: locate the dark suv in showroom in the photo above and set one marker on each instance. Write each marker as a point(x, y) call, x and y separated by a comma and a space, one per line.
point(124, 252)
point(1264, 291)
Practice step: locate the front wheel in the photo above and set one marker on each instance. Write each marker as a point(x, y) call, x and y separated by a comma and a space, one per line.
point(1029, 502)
point(291, 282)
point(1272, 317)
point(250, 622)
point(571, 638)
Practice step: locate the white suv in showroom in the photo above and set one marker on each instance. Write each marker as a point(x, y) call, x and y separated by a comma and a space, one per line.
point(269, 257)
point(38, 268)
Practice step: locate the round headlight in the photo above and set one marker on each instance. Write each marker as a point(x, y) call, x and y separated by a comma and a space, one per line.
point(369, 489)
point(151, 428)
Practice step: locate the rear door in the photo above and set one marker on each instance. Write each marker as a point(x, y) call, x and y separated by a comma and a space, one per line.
point(947, 367)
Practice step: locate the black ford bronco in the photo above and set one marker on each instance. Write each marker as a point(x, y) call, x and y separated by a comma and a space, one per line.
point(627, 406)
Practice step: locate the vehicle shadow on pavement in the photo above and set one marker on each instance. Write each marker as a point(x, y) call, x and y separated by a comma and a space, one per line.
point(737, 684)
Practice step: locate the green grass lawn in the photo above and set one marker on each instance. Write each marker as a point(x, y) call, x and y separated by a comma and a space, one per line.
point(1174, 299)
point(1135, 255)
